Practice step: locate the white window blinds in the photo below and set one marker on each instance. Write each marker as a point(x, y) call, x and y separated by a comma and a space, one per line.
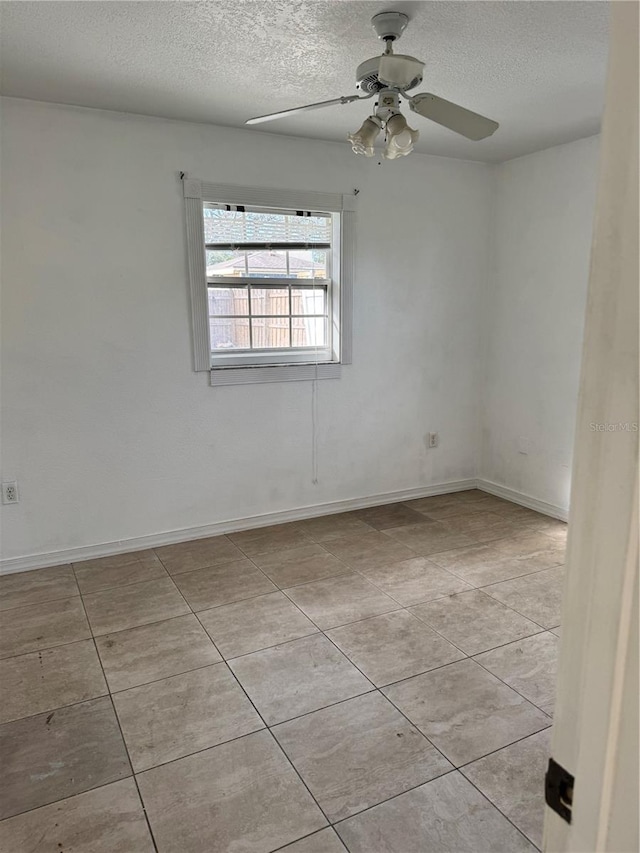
point(233, 227)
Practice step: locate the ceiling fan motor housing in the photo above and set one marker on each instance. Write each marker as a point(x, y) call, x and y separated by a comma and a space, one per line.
point(389, 26)
point(369, 81)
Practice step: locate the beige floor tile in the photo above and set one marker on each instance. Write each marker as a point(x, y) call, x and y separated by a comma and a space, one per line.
point(336, 601)
point(447, 814)
point(59, 754)
point(257, 623)
point(481, 525)
point(325, 841)
point(198, 554)
point(413, 581)
point(474, 622)
point(429, 537)
point(298, 677)
point(183, 714)
point(500, 560)
point(107, 820)
point(44, 680)
point(443, 506)
point(328, 527)
point(118, 570)
point(41, 626)
point(538, 562)
point(530, 543)
point(300, 565)
point(215, 780)
point(393, 646)
point(513, 779)
point(553, 527)
point(537, 596)
point(556, 630)
point(503, 506)
point(368, 550)
point(151, 652)
point(357, 754)
point(521, 526)
point(529, 666)
point(389, 515)
point(136, 604)
point(218, 585)
point(278, 537)
point(556, 530)
point(465, 711)
point(242, 796)
point(520, 513)
point(476, 563)
point(25, 588)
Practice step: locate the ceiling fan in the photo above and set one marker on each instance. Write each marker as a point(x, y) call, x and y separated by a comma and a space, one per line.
point(389, 77)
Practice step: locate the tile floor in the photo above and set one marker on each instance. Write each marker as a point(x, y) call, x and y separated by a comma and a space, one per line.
point(379, 680)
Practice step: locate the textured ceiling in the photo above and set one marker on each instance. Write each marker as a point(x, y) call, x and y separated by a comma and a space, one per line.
point(536, 67)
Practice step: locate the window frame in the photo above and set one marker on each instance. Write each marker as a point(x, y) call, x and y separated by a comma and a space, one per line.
point(279, 365)
point(256, 356)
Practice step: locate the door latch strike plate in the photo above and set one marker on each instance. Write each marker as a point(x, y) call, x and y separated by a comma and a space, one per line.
point(558, 790)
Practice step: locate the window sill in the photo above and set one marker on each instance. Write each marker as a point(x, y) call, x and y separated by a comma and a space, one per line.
point(271, 357)
point(274, 373)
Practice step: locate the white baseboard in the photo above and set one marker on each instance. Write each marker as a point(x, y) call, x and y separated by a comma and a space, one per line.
point(155, 540)
point(524, 500)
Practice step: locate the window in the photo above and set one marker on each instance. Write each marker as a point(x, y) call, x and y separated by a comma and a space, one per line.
point(269, 279)
point(274, 268)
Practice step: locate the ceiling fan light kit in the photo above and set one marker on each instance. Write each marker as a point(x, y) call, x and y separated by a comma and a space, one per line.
point(388, 77)
point(400, 137)
point(362, 141)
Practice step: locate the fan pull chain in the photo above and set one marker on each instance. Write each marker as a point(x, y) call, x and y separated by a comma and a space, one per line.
point(314, 438)
point(314, 422)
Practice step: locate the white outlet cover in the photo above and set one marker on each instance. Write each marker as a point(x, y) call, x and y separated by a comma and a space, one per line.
point(10, 493)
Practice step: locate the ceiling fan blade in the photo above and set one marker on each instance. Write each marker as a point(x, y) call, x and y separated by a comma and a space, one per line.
point(450, 115)
point(345, 99)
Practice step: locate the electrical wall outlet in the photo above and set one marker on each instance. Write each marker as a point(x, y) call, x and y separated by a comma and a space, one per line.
point(10, 494)
point(433, 439)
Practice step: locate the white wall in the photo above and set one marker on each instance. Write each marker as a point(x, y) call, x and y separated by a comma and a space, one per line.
point(110, 433)
point(543, 217)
